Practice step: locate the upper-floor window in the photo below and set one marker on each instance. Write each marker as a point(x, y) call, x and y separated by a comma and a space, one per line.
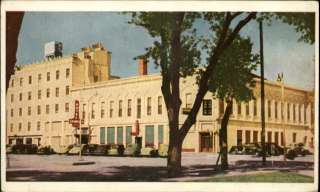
point(29, 110)
point(276, 110)
point(39, 110)
point(11, 127)
point(138, 108)
point(29, 126)
point(247, 109)
point(39, 94)
point(255, 107)
point(12, 98)
point(269, 108)
point(188, 101)
point(93, 115)
point(47, 109)
point(20, 111)
point(83, 111)
point(305, 113)
point(67, 90)
point(48, 93)
point(67, 73)
point(129, 107)
point(239, 108)
point(159, 105)
point(120, 108)
point(11, 112)
point(66, 107)
point(57, 92)
point(102, 112)
point(221, 106)
point(57, 74)
point(48, 76)
point(30, 79)
point(299, 112)
point(38, 126)
point(20, 96)
point(29, 95)
point(288, 111)
point(56, 108)
point(207, 107)
point(111, 109)
point(149, 106)
point(21, 81)
point(12, 83)
point(20, 127)
point(39, 77)
point(294, 112)
point(294, 137)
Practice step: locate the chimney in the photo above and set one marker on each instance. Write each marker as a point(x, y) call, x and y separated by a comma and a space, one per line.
point(143, 67)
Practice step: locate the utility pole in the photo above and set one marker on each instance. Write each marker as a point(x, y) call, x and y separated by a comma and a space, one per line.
point(263, 131)
point(281, 81)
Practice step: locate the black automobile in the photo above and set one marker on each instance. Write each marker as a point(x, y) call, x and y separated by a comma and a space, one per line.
point(272, 149)
point(94, 149)
point(24, 149)
point(297, 150)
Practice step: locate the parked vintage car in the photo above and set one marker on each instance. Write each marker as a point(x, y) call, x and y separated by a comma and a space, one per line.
point(272, 149)
point(163, 150)
point(95, 149)
point(75, 150)
point(63, 149)
point(8, 149)
point(297, 150)
point(116, 149)
point(45, 150)
point(132, 150)
point(149, 151)
point(24, 149)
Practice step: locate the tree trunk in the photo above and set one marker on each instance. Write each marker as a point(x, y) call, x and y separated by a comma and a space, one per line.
point(223, 135)
point(174, 158)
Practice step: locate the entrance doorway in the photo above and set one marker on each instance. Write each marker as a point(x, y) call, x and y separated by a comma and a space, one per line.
point(206, 142)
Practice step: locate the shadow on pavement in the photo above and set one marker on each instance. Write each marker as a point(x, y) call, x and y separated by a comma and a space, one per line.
point(147, 173)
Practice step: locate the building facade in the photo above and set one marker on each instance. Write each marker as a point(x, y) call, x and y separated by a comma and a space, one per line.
point(41, 100)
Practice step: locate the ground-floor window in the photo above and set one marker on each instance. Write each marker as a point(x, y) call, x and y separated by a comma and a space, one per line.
point(276, 137)
point(110, 135)
point(128, 135)
point(10, 141)
point(294, 137)
point(269, 136)
point(282, 139)
point(119, 135)
point(255, 136)
point(19, 141)
point(149, 136)
point(102, 135)
point(247, 133)
point(160, 134)
point(239, 137)
point(29, 141)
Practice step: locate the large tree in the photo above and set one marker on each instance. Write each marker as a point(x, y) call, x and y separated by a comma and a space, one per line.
point(177, 51)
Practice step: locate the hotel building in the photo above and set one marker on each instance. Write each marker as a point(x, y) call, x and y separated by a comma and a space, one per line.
point(41, 98)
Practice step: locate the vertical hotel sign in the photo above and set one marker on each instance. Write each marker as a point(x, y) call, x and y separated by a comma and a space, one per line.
point(75, 121)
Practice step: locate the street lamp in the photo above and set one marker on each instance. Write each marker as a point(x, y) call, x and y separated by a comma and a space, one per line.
point(281, 81)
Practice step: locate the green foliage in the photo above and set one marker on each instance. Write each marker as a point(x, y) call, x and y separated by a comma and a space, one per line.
point(233, 75)
point(304, 24)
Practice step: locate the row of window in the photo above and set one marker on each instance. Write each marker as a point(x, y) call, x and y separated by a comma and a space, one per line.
point(48, 77)
point(120, 108)
point(29, 126)
point(57, 94)
point(108, 135)
point(47, 109)
point(269, 111)
point(255, 135)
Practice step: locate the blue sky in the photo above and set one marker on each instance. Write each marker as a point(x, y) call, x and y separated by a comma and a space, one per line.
point(283, 52)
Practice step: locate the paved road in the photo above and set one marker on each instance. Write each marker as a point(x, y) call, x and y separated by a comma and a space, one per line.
point(106, 168)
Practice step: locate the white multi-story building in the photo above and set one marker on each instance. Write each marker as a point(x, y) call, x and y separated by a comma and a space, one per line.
point(41, 98)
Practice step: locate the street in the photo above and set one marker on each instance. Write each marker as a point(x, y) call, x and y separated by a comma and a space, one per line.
point(106, 168)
